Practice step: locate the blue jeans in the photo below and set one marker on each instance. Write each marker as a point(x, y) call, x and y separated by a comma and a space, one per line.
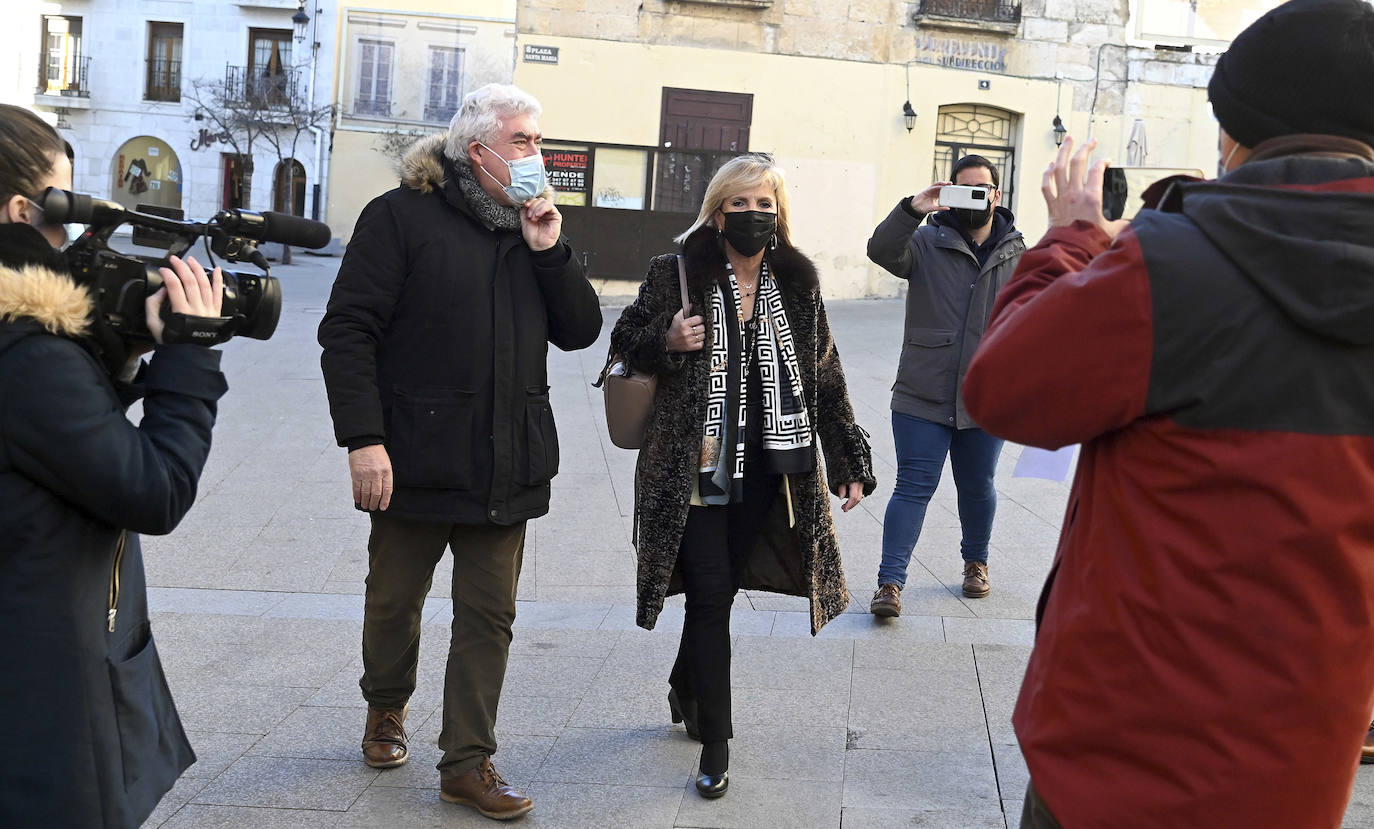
point(921, 449)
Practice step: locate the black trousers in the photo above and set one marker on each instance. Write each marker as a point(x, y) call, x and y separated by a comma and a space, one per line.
point(714, 545)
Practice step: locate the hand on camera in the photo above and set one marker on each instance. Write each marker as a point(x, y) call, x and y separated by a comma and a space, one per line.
point(189, 291)
point(928, 200)
point(1073, 191)
point(686, 334)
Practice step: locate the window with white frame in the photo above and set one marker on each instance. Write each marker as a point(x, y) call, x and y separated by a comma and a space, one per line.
point(1208, 25)
point(374, 78)
point(445, 83)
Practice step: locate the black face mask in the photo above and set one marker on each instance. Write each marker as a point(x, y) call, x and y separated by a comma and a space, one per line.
point(972, 219)
point(749, 230)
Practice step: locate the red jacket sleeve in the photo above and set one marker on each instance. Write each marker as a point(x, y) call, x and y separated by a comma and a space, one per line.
point(1066, 356)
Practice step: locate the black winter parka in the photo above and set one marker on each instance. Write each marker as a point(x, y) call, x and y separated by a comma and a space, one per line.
point(436, 345)
point(96, 740)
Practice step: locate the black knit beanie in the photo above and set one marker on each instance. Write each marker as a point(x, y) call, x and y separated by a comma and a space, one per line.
point(1304, 67)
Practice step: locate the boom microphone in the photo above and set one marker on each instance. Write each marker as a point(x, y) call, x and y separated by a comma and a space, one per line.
point(268, 226)
point(295, 231)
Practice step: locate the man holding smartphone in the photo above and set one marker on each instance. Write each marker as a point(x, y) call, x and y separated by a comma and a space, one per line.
point(954, 264)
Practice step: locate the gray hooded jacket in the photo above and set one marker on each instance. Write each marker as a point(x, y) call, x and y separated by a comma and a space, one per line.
point(948, 303)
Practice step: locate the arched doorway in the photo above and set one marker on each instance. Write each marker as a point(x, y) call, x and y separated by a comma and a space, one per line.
point(289, 181)
point(145, 170)
point(973, 129)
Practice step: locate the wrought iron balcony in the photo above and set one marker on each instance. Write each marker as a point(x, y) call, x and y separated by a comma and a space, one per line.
point(440, 113)
point(259, 85)
point(68, 79)
point(978, 11)
point(372, 106)
point(163, 81)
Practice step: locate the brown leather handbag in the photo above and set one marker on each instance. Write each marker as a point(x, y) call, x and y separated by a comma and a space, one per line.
point(629, 392)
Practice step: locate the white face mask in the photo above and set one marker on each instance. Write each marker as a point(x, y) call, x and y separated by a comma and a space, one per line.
point(527, 176)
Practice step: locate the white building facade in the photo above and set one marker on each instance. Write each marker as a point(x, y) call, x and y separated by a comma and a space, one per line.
point(142, 88)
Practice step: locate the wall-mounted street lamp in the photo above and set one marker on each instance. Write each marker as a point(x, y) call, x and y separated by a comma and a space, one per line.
point(1059, 132)
point(300, 20)
point(908, 116)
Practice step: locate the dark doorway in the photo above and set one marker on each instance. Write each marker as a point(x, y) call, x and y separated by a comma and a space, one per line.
point(233, 182)
point(296, 193)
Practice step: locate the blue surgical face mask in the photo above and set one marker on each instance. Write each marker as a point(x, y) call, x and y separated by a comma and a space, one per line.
point(527, 176)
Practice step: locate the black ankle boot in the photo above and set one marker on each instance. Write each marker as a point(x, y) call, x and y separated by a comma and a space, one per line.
point(684, 713)
point(714, 778)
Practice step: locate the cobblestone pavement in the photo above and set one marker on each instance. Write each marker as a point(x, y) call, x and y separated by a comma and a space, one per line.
point(257, 601)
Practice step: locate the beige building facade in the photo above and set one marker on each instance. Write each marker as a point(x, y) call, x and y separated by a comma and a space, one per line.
point(643, 97)
point(402, 70)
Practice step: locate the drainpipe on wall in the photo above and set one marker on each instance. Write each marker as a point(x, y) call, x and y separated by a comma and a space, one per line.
point(317, 202)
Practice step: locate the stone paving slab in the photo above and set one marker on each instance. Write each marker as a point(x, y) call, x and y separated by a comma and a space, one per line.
point(875, 724)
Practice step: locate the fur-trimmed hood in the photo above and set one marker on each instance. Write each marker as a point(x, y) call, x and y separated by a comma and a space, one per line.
point(422, 168)
point(48, 298)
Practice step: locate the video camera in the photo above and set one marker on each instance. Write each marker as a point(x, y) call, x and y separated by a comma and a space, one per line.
point(120, 282)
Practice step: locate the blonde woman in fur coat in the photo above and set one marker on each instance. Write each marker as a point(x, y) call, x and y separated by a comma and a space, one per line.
point(730, 488)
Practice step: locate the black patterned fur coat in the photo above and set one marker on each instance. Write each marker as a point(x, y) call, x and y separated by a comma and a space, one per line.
point(803, 560)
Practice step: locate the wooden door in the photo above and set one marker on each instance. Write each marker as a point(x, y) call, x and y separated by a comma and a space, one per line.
point(697, 119)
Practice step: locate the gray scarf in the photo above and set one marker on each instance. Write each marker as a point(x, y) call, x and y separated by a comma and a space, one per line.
point(490, 212)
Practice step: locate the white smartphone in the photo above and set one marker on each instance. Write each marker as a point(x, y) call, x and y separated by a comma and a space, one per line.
point(961, 195)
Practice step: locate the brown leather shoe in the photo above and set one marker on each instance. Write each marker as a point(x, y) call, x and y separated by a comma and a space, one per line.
point(384, 737)
point(484, 790)
point(1367, 750)
point(976, 584)
point(887, 601)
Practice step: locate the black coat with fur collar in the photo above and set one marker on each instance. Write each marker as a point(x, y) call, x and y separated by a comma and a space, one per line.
point(801, 561)
point(100, 741)
point(436, 345)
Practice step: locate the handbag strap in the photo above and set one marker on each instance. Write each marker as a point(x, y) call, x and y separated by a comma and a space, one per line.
point(682, 283)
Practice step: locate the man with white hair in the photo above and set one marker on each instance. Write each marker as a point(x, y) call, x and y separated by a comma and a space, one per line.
point(435, 360)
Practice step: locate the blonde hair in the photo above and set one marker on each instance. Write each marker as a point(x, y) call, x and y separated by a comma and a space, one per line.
point(744, 172)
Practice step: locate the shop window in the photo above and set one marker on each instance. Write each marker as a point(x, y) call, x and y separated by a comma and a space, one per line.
point(145, 170)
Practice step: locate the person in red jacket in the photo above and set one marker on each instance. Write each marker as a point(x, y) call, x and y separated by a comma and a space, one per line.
point(1202, 656)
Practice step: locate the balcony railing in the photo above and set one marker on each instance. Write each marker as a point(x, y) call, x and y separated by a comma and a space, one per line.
point(273, 89)
point(70, 81)
point(163, 82)
point(986, 11)
point(440, 113)
point(371, 106)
